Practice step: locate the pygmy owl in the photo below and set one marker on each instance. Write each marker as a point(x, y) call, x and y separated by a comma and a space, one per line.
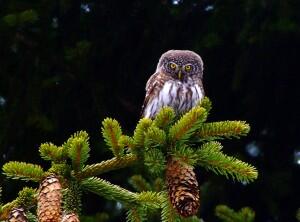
point(177, 82)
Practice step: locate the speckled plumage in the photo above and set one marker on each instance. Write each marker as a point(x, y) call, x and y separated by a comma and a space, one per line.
point(173, 85)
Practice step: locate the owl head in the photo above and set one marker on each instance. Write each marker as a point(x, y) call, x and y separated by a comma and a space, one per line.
point(181, 64)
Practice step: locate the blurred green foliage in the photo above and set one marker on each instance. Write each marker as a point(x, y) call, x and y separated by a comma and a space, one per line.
point(65, 65)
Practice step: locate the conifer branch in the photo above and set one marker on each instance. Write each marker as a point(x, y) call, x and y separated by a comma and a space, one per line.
point(211, 157)
point(6, 209)
point(136, 214)
point(164, 117)
point(23, 171)
point(155, 161)
point(109, 191)
point(49, 151)
point(78, 149)
point(72, 198)
point(62, 169)
point(206, 104)
point(227, 214)
point(80, 134)
point(192, 219)
point(185, 154)
point(152, 143)
point(222, 129)
point(247, 214)
point(168, 213)
point(187, 124)
point(140, 130)
point(155, 137)
point(158, 184)
point(153, 200)
point(26, 198)
point(126, 141)
point(106, 166)
point(31, 217)
point(112, 132)
point(139, 183)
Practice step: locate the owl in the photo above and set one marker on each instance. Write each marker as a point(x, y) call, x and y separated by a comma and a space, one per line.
point(177, 83)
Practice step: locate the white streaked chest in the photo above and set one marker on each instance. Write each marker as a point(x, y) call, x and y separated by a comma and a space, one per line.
point(180, 96)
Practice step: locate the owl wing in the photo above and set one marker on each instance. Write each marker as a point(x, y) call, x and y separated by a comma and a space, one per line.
point(153, 86)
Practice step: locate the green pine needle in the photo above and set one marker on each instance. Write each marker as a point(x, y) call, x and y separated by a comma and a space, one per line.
point(31, 217)
point(109, 191)
point(79, 148)
point(23, 171)
point(140, 130)
point(155, 137)
point(192, 219)
point(49, 151)
point(211, 157)
point(159, 184)
point(111, 131)
point(168, 213)
point(187, 124)
point(126, 142)
point(6, 209)
point(223, 129)
point(106, 166)
point(150, 199)
point(27, 197)
point(164, 117)
point(139, 183)
point(185, 154)
point(227, 214)
point(206, 104)
point(136, 214)
point(247, 214)
point(62, 169)
point(72, 198)
point(155, 161)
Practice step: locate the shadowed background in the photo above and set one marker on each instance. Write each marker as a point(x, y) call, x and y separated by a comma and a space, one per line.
point(65, 65)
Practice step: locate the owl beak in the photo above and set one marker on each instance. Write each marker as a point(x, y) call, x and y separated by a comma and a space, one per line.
point(179, 74)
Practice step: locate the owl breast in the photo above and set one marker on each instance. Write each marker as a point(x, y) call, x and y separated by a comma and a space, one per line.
point(180, 96)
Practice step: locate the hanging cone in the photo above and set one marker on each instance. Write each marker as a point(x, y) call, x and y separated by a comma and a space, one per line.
point(49, 200)
point(183, 188)
point(17, 215)
point(71, 217)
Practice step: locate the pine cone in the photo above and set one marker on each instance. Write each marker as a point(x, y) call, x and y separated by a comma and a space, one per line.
point(49, 200)
point(71, 217)
point(183, 188)
point(17, 215)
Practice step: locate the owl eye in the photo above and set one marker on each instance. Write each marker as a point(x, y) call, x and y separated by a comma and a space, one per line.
point(188, 68)
point(172, 65)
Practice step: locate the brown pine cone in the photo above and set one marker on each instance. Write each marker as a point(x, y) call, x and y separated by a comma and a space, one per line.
point(183, 187)
point(49, 200)
point(17, 215)
point(71, 217)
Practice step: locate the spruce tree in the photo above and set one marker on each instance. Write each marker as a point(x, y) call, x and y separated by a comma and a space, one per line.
point(168, 149)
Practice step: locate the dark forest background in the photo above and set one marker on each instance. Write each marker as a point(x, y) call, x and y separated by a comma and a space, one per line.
point(66, 65)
